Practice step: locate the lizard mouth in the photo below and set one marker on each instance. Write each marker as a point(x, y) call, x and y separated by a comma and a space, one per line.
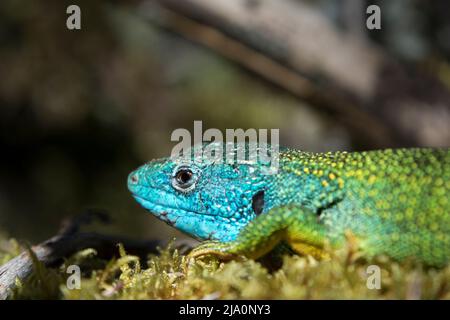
point(199, 225)
point(162, 209)
point(147, 203)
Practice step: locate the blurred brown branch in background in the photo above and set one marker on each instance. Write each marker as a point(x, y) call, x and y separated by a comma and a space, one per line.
point(295, 47)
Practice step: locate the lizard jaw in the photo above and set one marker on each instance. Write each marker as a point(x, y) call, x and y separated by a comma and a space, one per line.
point(198, 225)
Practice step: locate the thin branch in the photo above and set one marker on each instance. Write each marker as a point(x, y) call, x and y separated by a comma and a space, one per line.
point(68, 241)
point(294, 46)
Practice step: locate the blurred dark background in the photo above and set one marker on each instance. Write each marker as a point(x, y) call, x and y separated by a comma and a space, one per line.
point(80, 109)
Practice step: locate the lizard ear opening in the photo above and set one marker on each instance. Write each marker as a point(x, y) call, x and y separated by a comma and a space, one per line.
point(258, 202)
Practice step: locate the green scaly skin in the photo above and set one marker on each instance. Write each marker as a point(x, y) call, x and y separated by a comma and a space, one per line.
point(392, 202)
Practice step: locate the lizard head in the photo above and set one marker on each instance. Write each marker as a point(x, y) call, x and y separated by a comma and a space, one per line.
point(208, 199)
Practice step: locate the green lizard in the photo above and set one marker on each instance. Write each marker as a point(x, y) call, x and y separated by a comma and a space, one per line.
point(393, 202)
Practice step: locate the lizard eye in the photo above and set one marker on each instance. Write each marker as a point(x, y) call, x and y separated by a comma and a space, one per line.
point(183, 179)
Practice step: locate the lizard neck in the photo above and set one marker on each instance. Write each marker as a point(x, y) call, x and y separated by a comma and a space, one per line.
point(309, 179)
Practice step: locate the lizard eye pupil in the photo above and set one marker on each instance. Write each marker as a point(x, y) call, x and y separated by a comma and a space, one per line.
point(184, 176)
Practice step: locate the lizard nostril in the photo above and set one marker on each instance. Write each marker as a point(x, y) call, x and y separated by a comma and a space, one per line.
point(134, 179)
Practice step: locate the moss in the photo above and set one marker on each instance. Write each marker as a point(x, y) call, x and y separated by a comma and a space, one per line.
point(161, 277)
point(8, 249)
